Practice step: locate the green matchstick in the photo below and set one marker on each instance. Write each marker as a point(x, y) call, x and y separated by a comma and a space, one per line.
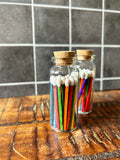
point(60, 108)
point(86, 92)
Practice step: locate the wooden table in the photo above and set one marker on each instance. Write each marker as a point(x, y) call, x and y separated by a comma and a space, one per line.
point(25, 132)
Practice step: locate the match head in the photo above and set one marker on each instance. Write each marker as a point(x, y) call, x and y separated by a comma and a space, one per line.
point(59, 80)
point(82, 74)
point(54, 81)
point(51, 79)
point(71, 81)
point(62, 80)
point(67, 82)
point(75, 80)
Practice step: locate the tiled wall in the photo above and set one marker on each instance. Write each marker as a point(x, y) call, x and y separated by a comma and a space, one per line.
point(30, 30)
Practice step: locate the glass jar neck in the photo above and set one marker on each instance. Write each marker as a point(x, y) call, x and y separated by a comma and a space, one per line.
point(84, 58)
point(62, 65)
point(85, 61)
point(63, 61)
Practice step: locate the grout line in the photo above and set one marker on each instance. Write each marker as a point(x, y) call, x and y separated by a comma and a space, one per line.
point(17, 83)
point(57, 45)
point(102, 48)
point(61, 7)
point(16, 44)
point(51, 6)
point(97, 79)
point(70, 26)
point(112, 46)
point(52, 45)
point(43, 82)
point(111, 11)
point(21, 4)
point(87, 9)
point(34, 49)
point(86, 45)
point(23, 83)
point(111, 78)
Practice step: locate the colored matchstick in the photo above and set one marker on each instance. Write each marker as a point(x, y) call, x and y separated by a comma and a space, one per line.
point(66, 102)
point(73, 109)
point(81, 82)
point(56, 106)
point(63, 97)
point(86, 92)
point(70, 103)
point(56, 103)
point(52, 105)
point(55, 120)
point(63, 89)
point(89, 94)
point(87, 86)
point(60, 102)
point(82, 88)
point(83, 98)
point(80, 100)
point(63, 92)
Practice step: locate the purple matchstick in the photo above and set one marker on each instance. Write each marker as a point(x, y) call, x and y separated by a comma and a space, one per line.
point(82, 88)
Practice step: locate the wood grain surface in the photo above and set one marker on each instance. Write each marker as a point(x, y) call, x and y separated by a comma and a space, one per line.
point(25, 132)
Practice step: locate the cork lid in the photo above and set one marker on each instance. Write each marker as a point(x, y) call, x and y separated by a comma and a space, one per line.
point(64, 57)
point(84, 54)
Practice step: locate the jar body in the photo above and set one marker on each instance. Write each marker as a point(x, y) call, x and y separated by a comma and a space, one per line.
point(86, 85)
point(63, 97)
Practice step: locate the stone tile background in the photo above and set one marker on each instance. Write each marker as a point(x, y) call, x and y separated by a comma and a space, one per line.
point(30, 30)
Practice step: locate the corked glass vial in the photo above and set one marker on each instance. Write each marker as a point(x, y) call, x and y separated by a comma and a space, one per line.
point(86, 69)
point(63, 91)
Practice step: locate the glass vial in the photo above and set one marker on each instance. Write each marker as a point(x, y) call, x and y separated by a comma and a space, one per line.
point(86, 69)
point(63, 91)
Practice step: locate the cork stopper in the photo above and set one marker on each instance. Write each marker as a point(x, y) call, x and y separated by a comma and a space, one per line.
point(64, 57)
point(84, 54)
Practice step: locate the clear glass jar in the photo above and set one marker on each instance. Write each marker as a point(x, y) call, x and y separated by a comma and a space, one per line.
point(86, 69)
point(63, 92)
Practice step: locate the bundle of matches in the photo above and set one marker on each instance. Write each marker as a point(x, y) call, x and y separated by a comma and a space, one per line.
point(85, 90)
point(63, 101)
